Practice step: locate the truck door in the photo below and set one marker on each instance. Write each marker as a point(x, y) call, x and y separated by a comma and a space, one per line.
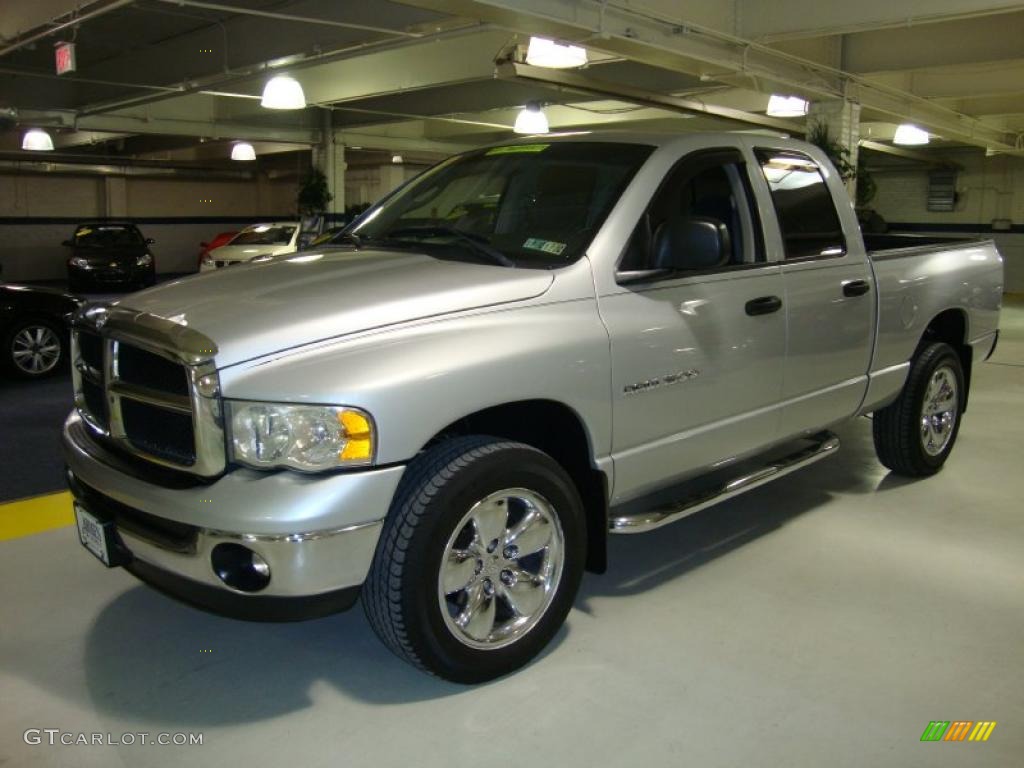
point(829, 294)
point(697, 328)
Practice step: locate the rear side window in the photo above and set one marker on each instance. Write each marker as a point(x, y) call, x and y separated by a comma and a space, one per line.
point(807, 214)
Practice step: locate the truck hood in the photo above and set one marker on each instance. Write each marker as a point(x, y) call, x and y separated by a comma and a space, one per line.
point(254, 310)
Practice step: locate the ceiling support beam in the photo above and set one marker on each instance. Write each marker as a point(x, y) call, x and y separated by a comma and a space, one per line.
point(907, 154)
point(677, 45)
point(589, 85)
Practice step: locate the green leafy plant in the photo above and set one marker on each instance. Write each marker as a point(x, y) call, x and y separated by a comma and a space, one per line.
point(821, 137)
point(867, 187)
point(313, 193)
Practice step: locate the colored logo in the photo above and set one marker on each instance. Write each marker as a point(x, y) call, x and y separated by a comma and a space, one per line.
point(958, 730)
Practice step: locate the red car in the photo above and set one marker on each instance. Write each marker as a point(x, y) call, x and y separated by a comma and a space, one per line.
point(204, 248)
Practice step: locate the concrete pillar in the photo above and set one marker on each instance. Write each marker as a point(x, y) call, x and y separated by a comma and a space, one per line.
point(329, 157)
point(842, 118)
point(391, 177)
point(115, 196)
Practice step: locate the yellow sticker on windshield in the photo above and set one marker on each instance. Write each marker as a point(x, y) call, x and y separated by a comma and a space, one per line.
point(548, 246)
point(512, 149)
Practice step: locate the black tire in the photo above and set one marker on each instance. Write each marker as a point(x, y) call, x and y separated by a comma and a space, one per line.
point(898, 429)
point(401, 593)
point(12, 338)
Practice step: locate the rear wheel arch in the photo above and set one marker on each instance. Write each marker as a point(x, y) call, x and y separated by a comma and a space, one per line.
point(951, 326)
point(558, 430)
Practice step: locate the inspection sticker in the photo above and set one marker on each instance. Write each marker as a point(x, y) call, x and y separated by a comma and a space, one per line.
point(548, 246)
point(512, 149)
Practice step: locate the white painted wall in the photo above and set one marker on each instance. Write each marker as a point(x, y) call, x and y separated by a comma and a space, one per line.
point(988, 187)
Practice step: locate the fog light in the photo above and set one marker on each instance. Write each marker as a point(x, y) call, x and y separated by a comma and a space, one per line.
point(240, 568)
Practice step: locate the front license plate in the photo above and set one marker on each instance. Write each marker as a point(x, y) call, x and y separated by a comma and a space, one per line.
point(95, 534)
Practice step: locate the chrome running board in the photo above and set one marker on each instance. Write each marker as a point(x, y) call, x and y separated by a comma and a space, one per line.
point(825, 444)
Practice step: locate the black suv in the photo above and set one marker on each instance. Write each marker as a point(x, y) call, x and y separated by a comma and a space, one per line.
point(109, 255)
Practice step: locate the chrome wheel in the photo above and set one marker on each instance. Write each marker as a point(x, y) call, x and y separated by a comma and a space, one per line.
point(501, 568)
point(939, 411)
point(35, 350)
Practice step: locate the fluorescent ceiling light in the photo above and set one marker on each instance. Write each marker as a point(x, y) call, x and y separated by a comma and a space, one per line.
point(283, 92)
point(910, 135)
point(37, 140)
point(397, 159)
point(531, 119)
point(786, 106)
point(547, 53)
point(243, 151)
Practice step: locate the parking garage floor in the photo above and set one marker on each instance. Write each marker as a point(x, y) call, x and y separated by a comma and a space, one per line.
point(824, 619)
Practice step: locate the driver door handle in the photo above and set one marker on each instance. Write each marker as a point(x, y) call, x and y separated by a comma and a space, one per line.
point(764, 305)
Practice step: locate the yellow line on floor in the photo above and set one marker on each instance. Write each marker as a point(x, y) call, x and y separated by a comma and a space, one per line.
point(35, 515)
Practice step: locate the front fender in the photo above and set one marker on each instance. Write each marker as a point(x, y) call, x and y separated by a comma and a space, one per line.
point(417, 379)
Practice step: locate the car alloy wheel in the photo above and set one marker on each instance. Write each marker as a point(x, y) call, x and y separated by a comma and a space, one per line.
point(35, 350)
point(501, 568)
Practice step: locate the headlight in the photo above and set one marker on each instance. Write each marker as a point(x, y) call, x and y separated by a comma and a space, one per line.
point(144, 260)
point(304, 437)
point(78, 261)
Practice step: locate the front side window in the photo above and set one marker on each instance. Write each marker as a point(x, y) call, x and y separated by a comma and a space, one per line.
point(523, 204)
point(706, 195)
point(807, 214)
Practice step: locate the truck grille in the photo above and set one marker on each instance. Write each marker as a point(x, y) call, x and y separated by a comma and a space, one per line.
point(159, 432)
point(137, 366)
point(146, 402)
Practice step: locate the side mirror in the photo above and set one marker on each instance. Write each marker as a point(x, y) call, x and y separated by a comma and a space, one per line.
point(67, 244)
point(691, 244)
point(150, 241)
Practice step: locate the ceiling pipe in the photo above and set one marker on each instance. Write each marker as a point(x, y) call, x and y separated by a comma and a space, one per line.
point(234, 9)
point(60, 26)
point(68, 165)
point(88, 80)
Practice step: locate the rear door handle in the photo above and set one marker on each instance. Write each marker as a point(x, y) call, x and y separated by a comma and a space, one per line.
point(856, 288)
point(764, 305)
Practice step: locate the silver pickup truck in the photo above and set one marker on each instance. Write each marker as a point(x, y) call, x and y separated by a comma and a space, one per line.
point(526, 348)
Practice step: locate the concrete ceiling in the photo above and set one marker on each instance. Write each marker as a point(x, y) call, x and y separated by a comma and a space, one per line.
point(420, 75)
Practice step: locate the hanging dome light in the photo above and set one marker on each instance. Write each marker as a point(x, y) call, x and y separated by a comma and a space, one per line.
point(243, 151)
point(531, 119)
point(283, 92)
point(547, 53)
point(910, 135)
point(37, 140)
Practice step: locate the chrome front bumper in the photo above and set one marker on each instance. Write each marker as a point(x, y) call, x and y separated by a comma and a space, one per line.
point(318, 533)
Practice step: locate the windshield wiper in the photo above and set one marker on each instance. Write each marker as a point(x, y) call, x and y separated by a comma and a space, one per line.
point(478, 243)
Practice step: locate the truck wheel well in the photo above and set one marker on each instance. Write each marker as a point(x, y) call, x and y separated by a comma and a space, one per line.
point(557, 430)
point(950, 327)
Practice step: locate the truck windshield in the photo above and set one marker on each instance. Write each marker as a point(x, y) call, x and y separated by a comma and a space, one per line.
point(522, 204)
